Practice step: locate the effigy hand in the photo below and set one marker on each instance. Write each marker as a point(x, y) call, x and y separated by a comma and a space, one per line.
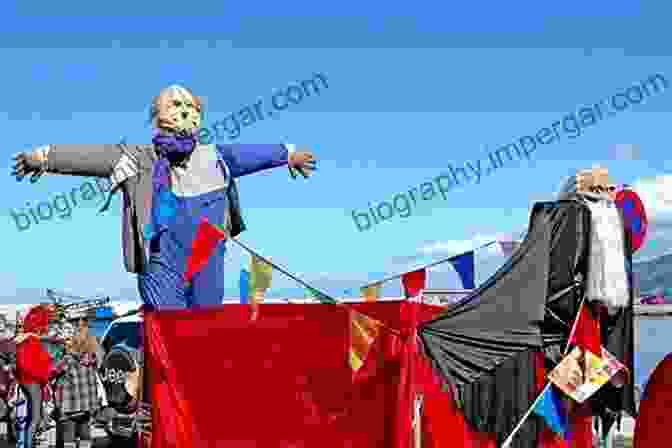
point(29, 163)
point(302, 161)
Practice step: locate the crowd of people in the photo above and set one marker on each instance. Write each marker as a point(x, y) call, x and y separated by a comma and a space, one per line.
point(58, 366)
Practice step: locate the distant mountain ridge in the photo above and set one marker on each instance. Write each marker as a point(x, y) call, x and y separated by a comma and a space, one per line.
point(654, 274)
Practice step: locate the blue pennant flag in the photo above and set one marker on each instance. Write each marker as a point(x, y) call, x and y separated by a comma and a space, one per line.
point(464, 265)
point(244, 286)
point(552, 409)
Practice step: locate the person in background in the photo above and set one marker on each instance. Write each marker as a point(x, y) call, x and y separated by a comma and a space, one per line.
point(34, 367)
point(76, 397)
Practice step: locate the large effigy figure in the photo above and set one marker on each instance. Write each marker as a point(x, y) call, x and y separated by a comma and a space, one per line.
point(171, 188)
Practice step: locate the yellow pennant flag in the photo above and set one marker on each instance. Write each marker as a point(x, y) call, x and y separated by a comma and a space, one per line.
point(363, 332)
point(261, 274)
point(371, 293)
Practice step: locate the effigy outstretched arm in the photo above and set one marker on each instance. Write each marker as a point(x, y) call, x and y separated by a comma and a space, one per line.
point(244, 159)
point(90, 160)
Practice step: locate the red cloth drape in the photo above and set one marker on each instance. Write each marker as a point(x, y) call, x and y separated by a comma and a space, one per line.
point(284, 380)
point(174, 411)
point(655, 415)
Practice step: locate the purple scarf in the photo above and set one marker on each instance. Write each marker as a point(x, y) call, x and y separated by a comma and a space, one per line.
point(168, 145)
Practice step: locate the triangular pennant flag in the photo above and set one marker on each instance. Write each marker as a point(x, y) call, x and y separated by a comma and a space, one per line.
point(414, 283)
point(507, 248)
point(261, 273)
point(317, 295)
point(552, 408)
point(244, 286)
point(202, 246)
point(258, 295)
point(371, 293)
point(464, 265)
point(586, 331)
point(363, 332)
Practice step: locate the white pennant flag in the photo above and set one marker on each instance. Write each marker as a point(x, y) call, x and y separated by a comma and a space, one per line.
point(507, 248)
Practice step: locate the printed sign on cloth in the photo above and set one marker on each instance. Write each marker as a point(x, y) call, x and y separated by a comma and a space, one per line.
point(581, 373)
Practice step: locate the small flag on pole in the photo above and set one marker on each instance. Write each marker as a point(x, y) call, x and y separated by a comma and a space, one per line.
point(204, 243)
point(552, 408)
point(586, 331)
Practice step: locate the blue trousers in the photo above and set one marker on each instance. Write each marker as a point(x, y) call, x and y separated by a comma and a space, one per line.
point(28, 414)
point(162, 285)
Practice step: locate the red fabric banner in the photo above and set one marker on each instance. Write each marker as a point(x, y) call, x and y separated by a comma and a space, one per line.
point(285, 381)
point(655, 417)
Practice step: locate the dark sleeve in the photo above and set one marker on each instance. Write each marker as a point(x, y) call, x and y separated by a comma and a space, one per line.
point(90, 160)
point(244, 159)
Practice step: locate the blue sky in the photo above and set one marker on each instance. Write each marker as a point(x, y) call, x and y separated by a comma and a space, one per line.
point(412, 89)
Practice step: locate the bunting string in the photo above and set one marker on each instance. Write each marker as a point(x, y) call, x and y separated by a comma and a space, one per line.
point(431, 265)
point(379, 282)
point(306, 285)
point(436, 263)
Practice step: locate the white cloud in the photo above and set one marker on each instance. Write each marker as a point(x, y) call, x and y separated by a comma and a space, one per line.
point(448, 248)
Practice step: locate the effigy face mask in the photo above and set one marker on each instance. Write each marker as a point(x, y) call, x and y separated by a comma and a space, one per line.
point(178, 110)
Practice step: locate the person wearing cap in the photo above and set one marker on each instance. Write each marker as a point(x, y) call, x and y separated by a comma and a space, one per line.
point(34, 367)
point(76, 397)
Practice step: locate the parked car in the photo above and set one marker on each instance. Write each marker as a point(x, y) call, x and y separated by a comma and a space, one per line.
point(121, 343)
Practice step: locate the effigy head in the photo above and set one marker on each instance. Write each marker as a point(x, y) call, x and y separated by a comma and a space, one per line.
point(176, 109)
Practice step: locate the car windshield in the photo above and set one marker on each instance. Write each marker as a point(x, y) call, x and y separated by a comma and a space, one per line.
point(124, 332)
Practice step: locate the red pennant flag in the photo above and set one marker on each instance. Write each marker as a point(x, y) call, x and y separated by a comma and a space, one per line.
point(205, 241)
point(414, 283)
point(586, 331)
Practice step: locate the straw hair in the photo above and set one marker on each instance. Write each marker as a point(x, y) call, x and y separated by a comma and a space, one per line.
point(167, 92)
